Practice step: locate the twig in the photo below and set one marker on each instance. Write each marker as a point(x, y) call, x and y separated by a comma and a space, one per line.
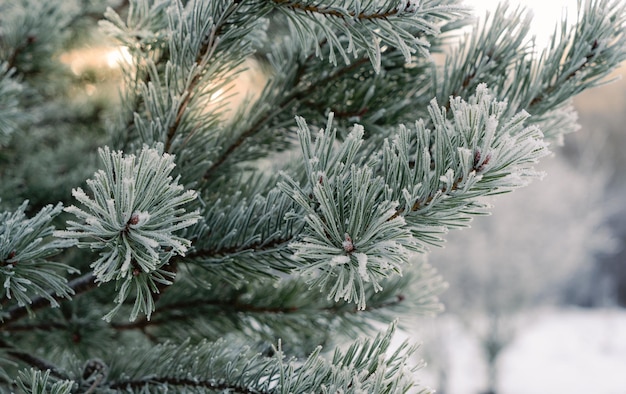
point(204, 54)
point(211, 384)
point(256, 127)
point(78, 285)
point(33, 361)
point(333, 12)
point(256, 247)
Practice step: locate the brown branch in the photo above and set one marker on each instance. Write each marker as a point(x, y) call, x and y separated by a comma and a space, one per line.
point(552, 88)
point(212, 384)
point(421, 203)
point(32, 327)
point(205, 53)
point(399, 299)
point(226, 306)
point(78, 285)
point(335, 13)
point(349, 114)
point(12, 60)
point(256, 127)
point(256, 247)
point(33, 361)
point(251, 131)
point(234, 306)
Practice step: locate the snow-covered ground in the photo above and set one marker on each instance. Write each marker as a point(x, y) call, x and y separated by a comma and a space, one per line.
point(572, 351)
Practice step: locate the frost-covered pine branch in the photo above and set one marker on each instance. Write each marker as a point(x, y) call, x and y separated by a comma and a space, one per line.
point(25, 251)
point(131, 219)
point(182, 263)
point(9, 93)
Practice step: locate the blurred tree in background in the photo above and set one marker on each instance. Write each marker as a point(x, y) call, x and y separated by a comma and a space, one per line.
point(143, 248)
point(600, 144)
point(531, 252)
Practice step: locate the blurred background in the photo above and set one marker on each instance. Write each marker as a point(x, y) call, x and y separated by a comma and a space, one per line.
point(537, 290)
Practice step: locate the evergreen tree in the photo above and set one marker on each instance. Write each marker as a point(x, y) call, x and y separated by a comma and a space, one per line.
point(143, 247)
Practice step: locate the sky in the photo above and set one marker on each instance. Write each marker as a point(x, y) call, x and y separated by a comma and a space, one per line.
point(546, 13)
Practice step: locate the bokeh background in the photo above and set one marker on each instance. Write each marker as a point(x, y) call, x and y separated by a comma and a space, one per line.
point(537, 290)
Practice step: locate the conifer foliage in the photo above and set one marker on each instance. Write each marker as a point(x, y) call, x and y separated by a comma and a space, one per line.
point(173, 260)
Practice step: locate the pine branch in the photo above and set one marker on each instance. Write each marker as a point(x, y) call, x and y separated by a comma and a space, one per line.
point(235, 306)
point(493, 155)
point(390, 93)
point(206, 52)
point(298, 90)
point(485, 54)
point(328, 11)
point(467, 174)
point(299, 93)
point(133, 218)
point(33, 361)
point(17, 50)
point(10, 113)
point(364, 367)
point(258, 247)
point(78, 286)
point(38, 382)
point(353, 26)
point(283, 310)
point(34, 31)
point(47, 326)
point(578, 58)
point(26, 249)
point(245, 135)
point(245, 234)
point(419, 204)
point(192, 383)
point(225, 306)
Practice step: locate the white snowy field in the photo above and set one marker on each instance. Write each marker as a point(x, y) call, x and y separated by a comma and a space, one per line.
point(571, 351)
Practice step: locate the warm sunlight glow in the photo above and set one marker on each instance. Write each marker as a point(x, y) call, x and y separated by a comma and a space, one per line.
point(216, 96)
point(243, 90)
point(118, 56)
point(86, 59)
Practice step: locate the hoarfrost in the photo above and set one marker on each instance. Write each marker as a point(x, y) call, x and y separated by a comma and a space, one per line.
point(362, 259)
point(339, 260)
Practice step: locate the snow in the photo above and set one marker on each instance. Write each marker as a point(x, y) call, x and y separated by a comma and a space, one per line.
point(339, 260)
point(362, 259)
point(573, 351)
